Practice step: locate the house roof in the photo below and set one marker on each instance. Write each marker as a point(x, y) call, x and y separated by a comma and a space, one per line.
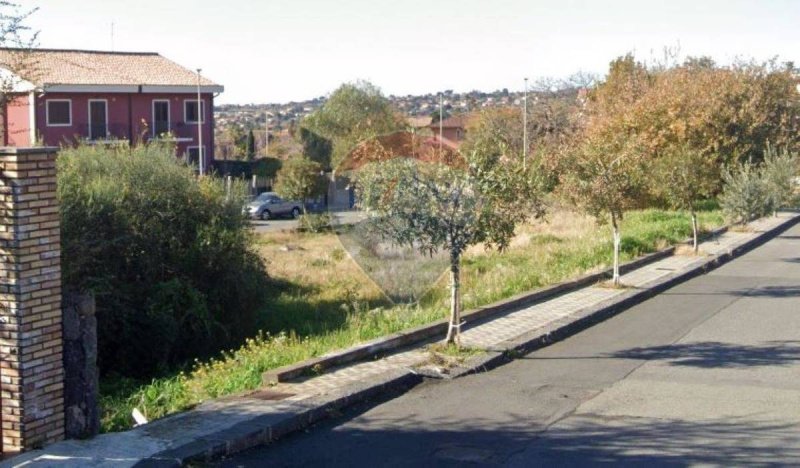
point(54, 69)
point(456, 121)
point(419, 121)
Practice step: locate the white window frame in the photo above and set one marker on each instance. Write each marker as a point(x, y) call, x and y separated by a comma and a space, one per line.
point(89, 117)
point(200, 156)
point(200, 109)
point(47, 112)
point(201, 153)
point(153, 115)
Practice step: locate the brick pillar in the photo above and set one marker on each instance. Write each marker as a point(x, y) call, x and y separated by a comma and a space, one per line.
point(31, 369)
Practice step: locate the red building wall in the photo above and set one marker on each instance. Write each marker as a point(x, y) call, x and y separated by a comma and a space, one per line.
point(18, 130)
point(130, 117)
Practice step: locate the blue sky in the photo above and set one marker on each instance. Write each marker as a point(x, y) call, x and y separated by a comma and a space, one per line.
point(281, 50)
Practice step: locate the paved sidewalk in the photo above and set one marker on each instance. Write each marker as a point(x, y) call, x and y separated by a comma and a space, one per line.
point(230, 424)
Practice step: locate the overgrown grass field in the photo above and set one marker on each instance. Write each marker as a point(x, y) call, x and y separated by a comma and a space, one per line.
point(321, 300)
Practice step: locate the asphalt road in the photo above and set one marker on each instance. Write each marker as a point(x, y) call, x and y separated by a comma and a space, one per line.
point(285, 224)
point(705, 373)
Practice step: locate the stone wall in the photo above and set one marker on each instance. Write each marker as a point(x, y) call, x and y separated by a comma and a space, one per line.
point(31, 369)
point(81, 379)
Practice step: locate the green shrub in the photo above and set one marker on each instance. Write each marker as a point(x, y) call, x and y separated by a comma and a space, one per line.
point(315, 222)
point(779, 170)
point(745, 195)
point(166, 255)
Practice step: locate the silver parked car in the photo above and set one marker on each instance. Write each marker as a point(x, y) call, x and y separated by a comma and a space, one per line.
point(269, 205)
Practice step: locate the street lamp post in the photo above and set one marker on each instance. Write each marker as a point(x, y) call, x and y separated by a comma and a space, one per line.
point(525, 127)
point(200, 152)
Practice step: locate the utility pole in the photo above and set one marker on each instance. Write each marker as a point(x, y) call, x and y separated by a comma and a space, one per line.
point(525, 127)
point(200, 152)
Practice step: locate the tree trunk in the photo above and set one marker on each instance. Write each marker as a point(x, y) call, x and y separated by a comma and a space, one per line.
point(454, 330)
point(695, 245)
point(615, 228)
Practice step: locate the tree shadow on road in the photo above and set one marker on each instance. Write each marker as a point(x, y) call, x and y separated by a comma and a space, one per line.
point(622, 441)
point(711, 354)
point(363, 437)
point(770, 291)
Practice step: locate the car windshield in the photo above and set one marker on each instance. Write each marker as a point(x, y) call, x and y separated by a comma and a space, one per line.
point(264, 197)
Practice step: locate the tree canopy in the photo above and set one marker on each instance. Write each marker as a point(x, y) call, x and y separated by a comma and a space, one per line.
point(432, 207)
point(353, 113)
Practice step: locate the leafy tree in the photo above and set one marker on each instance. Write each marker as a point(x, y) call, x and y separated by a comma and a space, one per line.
point(300, 179)
point(779, 170)
point(433, 206)
point(685, 177)
point(726, 113)
point(353, 113)
point(316, 147)
point(495, 128)
point(250, 146)
point(605, 179)
point(440, 114)
point(267, 167)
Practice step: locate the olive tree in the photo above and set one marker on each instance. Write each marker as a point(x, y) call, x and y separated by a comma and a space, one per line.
point(778, 171)
point(684, 177)
point(605, 178)
point(432, 206)
point(744, 196)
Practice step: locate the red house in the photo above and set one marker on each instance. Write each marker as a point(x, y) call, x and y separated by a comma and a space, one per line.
point(71, 96)
point(454, 130)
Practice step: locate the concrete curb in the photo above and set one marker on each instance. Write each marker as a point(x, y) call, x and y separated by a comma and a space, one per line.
point(266, 429)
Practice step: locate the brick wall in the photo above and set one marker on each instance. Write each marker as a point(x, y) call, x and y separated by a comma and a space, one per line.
point(31, 369)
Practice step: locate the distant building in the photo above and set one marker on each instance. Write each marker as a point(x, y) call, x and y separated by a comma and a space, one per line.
point(454, 129)
point(71, 96)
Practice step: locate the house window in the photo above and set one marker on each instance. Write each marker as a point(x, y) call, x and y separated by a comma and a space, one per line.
point(98, 119)
point(59, 112)
point(193, 155)
point(160, 117)
point(190, 111)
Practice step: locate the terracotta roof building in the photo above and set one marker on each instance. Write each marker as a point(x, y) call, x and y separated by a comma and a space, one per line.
point(68, 96)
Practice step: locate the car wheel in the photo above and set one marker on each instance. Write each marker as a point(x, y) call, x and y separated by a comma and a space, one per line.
point(295, 212)
point(265, 215)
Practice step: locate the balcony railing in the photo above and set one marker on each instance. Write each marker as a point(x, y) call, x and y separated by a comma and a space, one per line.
point(117, 131)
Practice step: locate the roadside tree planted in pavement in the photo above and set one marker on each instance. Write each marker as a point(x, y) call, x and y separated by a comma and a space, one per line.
point(685, 177)
point(430, 206)
point(605, 179)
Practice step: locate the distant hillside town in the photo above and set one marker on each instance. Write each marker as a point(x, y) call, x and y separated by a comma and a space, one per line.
point(235, 121)
point(282, 115)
